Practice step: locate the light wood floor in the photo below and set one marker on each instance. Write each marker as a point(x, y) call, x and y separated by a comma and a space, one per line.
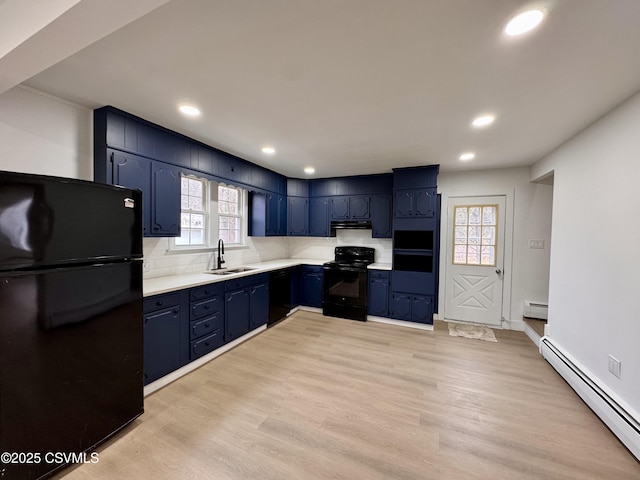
point(323, 398)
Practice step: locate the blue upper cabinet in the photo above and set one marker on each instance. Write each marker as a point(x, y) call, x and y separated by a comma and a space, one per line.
point(415, 177)
point(235, 169)
point(267, 214)
point(165, 200)
point(417, 203)
point(353, 207)
point(298, 217)
point(133, 171)
point(340, 208)
point(359, 207)
point(319, 225)
point(381, 216)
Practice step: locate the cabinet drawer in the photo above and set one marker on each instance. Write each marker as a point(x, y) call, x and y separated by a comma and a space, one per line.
point(205, 291)
point(207, 344)
point(412, 282)
point(158, 302)
point(206, 307)
point(206, 325)
point(379, 274)
point(243, 282)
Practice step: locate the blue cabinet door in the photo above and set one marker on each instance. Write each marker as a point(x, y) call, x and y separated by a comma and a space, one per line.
point(381, 216)
point(161, 343)
point(312, 284)
point(418, 202)
point(378, 295)
point(319, 217)
point(132, 171)
point(282, 215)
point(424, 201)
point(401, 306)
point(340, 208)
point(236, 314)
point(165, 200)
point(359, 207)
point(259, 305)
point(402, 203)
point(298, 213)
point(272, 220)
point(422, 309)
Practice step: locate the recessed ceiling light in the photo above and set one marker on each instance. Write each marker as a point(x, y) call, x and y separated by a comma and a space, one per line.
point(483, 121)
point(524, 22)
point(309, 170)
point(268, 150)
point(465, 157)
point(189, 110)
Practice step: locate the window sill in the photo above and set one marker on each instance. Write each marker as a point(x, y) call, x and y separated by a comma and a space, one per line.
point(181, 250)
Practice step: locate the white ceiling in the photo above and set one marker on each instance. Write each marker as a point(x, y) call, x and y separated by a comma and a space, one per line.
point(361, 86)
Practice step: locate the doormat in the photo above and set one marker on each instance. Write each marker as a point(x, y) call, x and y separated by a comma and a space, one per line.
point(476, 332)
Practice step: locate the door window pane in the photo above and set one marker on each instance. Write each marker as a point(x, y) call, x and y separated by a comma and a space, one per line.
point(475, 238)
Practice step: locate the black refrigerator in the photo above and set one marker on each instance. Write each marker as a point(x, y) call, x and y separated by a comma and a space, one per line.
point(70, 320)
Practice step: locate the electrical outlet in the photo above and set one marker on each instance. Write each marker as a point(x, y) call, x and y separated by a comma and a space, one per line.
point(614, 366)
point(536, 244)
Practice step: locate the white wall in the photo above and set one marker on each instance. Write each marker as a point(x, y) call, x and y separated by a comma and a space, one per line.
point(528, 217)
point(42, 134)
point(593, 291)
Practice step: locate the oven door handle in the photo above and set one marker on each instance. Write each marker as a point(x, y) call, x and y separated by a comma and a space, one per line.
point(344, 269)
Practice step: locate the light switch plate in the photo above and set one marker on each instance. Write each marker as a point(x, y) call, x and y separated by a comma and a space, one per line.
point(536, 244)
point(614, 365)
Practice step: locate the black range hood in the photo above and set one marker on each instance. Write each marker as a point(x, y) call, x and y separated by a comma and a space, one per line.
point(353, 224)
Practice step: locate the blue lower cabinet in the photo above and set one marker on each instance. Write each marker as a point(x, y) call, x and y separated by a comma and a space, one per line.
point(258, 305)
point(378, 294)
point(166, 335)
point(312, 285)
point(206, 312)
point(411, 307)
point(422, 309)
point(246, 305)
point(206, 344)
point(237, 309)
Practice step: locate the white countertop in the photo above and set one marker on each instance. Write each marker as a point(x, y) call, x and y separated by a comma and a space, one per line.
point(379, 266)
point(171, 283)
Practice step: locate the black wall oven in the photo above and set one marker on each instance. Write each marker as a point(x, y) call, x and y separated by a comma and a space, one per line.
point(345, 283)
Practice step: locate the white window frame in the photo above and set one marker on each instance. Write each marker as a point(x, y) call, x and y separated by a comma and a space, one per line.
point(241, 216)
point(212, 233)
point(206, 185)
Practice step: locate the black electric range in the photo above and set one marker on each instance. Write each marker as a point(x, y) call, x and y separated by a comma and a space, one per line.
point(345, 283)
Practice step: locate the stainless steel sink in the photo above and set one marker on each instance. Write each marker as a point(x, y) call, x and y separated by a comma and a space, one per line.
point(229, 271)
point(240, 269)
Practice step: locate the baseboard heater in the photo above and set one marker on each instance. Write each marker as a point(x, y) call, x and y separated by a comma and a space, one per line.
point(617, 418)
point(538, 310)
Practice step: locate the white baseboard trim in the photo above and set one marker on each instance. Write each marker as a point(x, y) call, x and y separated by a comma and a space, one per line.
point(532, 334)
point(517, 325)
point(621, 419)
point(191, 366)
point(400, 323)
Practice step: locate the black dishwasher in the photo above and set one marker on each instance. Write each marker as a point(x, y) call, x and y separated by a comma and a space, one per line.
point(279, 295)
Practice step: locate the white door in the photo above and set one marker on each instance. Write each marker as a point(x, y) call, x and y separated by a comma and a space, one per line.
point(475, 259)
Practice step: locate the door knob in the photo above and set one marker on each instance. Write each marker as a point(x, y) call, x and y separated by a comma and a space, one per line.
point(498, 271)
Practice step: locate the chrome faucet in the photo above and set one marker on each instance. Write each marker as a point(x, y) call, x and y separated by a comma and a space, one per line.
point(220, 253)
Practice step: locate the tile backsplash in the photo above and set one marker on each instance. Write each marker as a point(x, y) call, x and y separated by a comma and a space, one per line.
point(322, 248)
point(160, 262)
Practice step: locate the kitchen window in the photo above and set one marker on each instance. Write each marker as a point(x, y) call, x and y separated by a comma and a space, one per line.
point(210, 210)
point(193, 213)
point(230, 214)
